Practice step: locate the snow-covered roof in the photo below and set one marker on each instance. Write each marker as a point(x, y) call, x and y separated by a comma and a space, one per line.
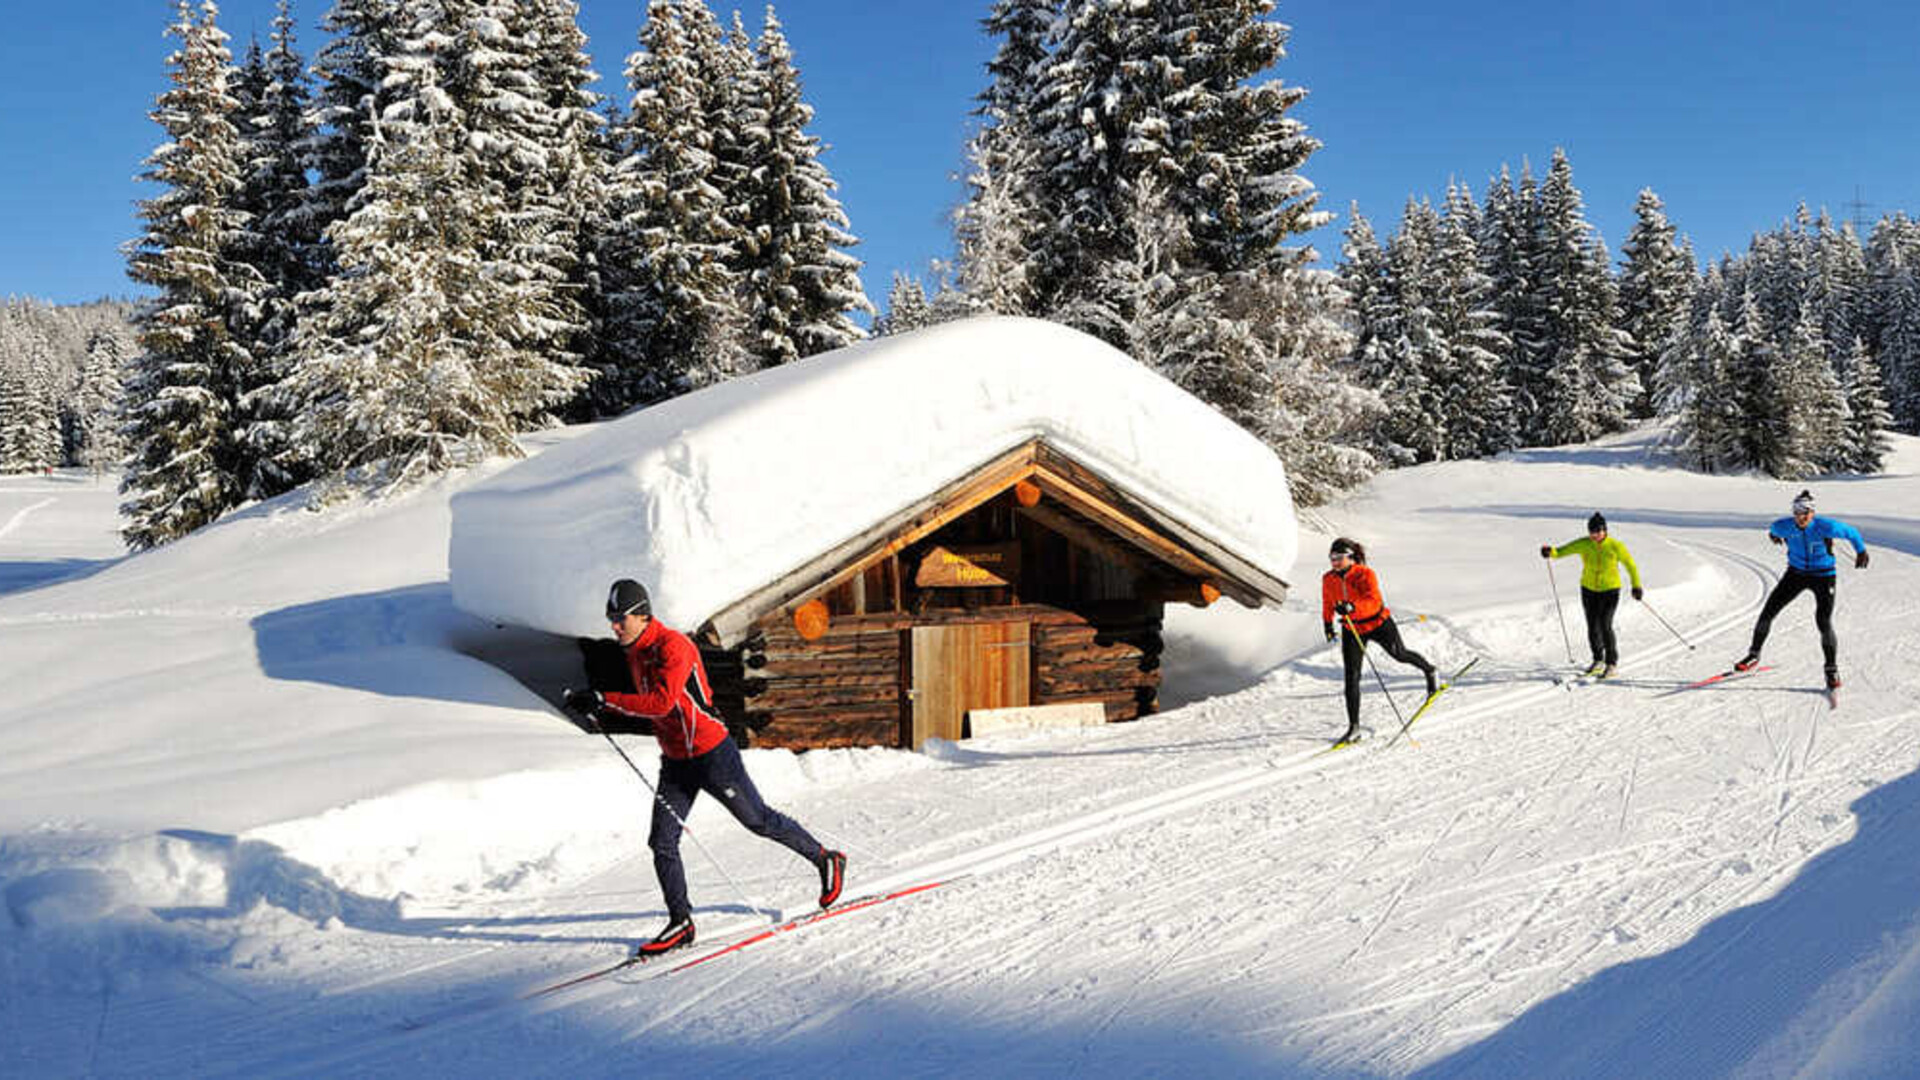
point(711, 495)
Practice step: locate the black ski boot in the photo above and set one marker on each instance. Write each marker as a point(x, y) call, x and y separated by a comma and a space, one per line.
point(677, 935)
point(1352, 736)
point(1833, 678)
point(1433, 682)
point(833, 874)
point(1747, 662)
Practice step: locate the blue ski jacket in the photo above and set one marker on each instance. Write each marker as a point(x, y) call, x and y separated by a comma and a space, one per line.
point(1810, 550)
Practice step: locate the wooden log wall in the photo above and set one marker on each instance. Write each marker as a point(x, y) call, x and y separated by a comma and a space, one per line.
point(846, 688)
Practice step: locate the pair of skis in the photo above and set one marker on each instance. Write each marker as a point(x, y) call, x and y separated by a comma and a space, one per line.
point(675, 961)
point(845, 907)
point(1831, 693)
point(1417, 713)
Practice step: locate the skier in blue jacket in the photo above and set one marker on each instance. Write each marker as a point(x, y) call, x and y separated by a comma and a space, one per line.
point(1810, 568)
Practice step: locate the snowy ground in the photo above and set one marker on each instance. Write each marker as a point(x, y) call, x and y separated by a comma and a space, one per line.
point(264, 810)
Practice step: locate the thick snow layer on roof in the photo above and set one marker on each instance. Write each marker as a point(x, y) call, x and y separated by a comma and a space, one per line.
point(711, 495)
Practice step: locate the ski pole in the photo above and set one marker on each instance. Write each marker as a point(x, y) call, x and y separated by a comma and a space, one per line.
point(1551, 584)
point(1666, 624)
point(1375, 668)
point(718, 865)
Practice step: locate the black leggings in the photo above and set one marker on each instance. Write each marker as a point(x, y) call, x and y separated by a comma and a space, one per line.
point(1791, 585)
point(1599, 606)
point(1387, 636)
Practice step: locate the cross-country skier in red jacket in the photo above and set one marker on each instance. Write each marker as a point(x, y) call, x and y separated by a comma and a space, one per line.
point(1350, 594)
point(672, 700)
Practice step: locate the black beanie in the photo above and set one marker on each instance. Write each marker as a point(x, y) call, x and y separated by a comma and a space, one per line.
point(1596, 523)
point(628, 597)
point(1342, 546)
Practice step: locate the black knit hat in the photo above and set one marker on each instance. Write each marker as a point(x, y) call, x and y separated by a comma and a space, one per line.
point(1596, 523)
point(628, 597)
point(1342, 546)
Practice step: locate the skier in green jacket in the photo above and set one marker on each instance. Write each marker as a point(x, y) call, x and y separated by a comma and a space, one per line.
point(1600, 559)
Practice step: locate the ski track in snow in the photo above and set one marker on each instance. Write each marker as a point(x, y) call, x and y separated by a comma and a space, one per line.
point(20, 516)
point(1280, 912)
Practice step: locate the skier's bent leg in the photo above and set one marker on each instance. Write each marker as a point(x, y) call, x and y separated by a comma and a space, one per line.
point(1784, 591)
point(728, 780)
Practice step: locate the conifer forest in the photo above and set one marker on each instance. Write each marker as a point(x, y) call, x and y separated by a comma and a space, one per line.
point(391, 252)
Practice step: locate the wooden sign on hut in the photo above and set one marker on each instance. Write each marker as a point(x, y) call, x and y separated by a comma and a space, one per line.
point(875, 545)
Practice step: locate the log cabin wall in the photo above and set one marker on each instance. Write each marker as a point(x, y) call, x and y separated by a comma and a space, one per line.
point(1094, 635)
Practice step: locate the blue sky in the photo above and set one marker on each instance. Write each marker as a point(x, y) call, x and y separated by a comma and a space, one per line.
point(1733, 111)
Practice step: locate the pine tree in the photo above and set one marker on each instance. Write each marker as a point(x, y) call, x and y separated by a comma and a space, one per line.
point(1810, 407)
point(98, 399)
point(1656, 293)
point(673, 323)
point(348, 71)
point(279, 245)
point(187, 464)
point(1586, 385)
point(1511, 255)
point(1321, 418)
point(1709, 418)
point(1894, 316)
point(1863, 442)
point(1474, 403)
point(799, 281)
point(412, 366)
point(997, 229)
point(907, 307)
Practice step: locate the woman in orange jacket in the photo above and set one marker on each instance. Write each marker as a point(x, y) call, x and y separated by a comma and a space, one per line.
point(1350, 593)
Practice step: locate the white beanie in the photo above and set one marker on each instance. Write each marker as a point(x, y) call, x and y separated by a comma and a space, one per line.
point(1803, 501)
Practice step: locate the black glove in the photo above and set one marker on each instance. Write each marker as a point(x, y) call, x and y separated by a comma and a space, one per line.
point(1328, 627)
point(1776, 540)
point(1637, 593)
point(1860, 561)
point(1546, 551)
point(587, 702)
point(1344, 607)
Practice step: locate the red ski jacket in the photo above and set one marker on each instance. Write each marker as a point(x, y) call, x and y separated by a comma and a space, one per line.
point(1359, 587)
point(672, 692)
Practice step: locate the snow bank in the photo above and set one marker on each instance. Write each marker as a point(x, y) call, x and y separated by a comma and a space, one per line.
point(708, 496)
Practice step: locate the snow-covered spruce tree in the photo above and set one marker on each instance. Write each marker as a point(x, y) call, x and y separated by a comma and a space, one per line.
point(1708, 419)
point(1811, 409)
point(97, 399)
point(411, 366)
point(348, 96)
point(1321, 416)
point(1893, 315)
point(574, 176)
point(673, 322)
point(1586, 384)
point(1166, 90)
point(518, 159)
point(1657, 280)
point(1405, 363)
point(1362, 274)
point(1511, 255)
point(1764, 441)
point(280, 243)
point(998, 227)
point(29, 415)
point(907, 307)
point(187, 464)
point(1474, 402)
point(799, 282)
point(1864, 443)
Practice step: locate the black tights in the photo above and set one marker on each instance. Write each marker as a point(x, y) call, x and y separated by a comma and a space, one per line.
point(1387, 636)
point(1791, 585)
point(1599, 606)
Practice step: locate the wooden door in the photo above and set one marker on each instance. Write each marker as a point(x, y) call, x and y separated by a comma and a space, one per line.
point(961, 667)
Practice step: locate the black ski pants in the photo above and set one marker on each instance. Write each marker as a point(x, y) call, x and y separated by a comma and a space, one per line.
point(720, 772)
point(1599, 606)
point(1792, 584)
point(1387, 636)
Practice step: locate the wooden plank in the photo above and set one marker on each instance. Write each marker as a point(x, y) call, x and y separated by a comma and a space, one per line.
point(961, 667)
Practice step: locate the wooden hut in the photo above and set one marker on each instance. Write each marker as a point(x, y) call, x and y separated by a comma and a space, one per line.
point(1032, 581)
point(899, 540)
